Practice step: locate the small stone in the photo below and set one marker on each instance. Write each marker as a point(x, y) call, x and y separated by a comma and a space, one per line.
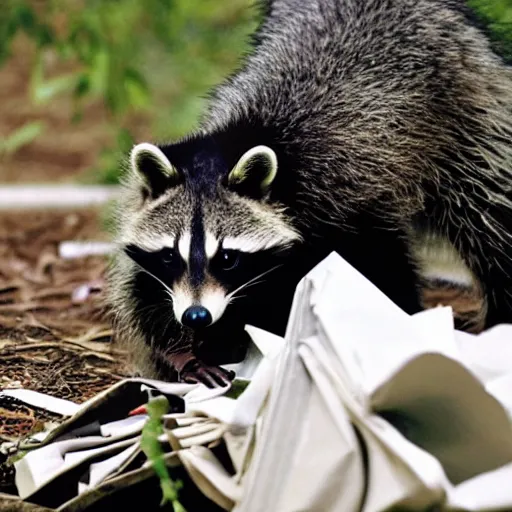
point(80, 294)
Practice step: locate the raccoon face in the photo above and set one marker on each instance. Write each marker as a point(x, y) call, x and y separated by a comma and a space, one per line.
point(204, 233)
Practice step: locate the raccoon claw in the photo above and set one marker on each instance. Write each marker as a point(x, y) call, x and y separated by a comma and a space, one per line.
point(191, 370)
point(211, 376)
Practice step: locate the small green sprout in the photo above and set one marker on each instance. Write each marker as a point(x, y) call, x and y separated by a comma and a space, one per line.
point(156, 408)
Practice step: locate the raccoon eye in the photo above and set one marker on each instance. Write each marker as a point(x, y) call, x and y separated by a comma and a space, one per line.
point(228, 259)
point(168, 256)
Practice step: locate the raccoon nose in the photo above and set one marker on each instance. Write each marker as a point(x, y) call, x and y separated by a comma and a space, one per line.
point(196, 317)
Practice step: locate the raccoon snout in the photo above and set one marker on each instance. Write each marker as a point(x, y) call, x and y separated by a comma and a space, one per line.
point(196, 317)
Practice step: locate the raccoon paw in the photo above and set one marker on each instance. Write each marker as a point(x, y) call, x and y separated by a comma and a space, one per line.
point(192, 370)
point(211, 376)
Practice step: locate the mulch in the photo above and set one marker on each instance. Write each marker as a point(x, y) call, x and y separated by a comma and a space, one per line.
point(55, 336)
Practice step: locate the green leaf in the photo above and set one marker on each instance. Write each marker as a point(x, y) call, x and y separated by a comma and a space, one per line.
point(16, 457)
point(150, 445)
point(45, 91)
point(125, 140)
point(82, 86)
point(21, 137)
point(136, 87)
point(25, 17)
point(99, 71)
point(41, 90)
point(45, 36)
point(115, 100)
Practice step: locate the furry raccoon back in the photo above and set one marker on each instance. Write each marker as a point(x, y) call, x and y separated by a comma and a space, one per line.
point(398, 108)
point(391, 121)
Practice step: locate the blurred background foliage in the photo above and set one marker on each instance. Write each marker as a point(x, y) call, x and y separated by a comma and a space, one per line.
point(145, 64)
point(497, 17)
point(157, 58)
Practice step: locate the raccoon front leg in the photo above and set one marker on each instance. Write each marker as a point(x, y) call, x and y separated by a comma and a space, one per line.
point(492, 265)
point(196, 355)
point(194, 370)
point(183, 366)
point(190, 369)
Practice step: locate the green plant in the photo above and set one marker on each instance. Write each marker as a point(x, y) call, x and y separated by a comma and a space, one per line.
point(497, 16)
point(155, 57)
point(153, 429)
point(20, 137)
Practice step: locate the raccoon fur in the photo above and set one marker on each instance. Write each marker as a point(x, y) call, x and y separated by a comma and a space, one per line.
point(366, 127)
point(445, 280)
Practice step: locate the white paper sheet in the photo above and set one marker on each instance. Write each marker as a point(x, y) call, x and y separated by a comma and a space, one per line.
point(50, 403)
point(101, 470)
point(447, 429)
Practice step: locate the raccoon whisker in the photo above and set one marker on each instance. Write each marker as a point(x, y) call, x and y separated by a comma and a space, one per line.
point(167, 289)
point(248, 286)
point(155, 307)
point(177, 342)
point(255, 280)
point(148, 312)
point(232, 299)
point(169, 322)
point(152, 308)
point(242, 287)
point(251, 281)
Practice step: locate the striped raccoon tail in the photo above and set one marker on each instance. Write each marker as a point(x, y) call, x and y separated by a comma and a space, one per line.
point(467, 301)
point(446, 280)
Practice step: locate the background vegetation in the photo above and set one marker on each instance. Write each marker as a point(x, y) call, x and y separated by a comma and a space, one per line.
point(147, 63)
point(155, 58)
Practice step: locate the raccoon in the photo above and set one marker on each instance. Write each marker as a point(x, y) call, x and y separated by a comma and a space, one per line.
point(366, 127)
point(445, 280)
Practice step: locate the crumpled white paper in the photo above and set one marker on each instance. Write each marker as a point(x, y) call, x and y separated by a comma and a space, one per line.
point(360, 408)
point(431, 407)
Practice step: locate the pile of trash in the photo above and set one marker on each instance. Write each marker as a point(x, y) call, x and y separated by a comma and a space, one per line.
point(361, 407)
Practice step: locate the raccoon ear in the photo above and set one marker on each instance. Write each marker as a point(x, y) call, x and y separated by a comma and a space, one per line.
point(254, 173)
point(155, 169)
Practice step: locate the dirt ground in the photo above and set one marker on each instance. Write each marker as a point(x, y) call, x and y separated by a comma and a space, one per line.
point(55, 336)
